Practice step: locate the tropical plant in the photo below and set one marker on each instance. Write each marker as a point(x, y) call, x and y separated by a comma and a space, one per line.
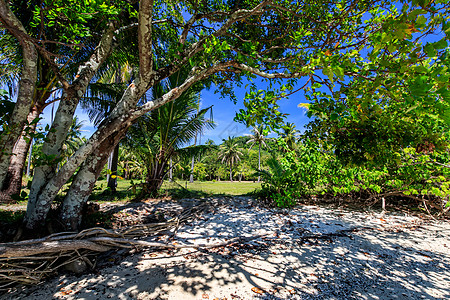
point(164, 133)
point(74, 138)
point(290, 135)
point(346, 42)
point(258, 136)
point(230, 154)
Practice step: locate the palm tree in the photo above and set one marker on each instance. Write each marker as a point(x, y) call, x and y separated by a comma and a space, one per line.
point(101, 100)
point(290, 135)
point(164, 133)
point(259, 138)
point(230, 153)
point(74, 139)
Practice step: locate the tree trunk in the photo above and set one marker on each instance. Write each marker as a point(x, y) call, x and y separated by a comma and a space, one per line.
point(30, 156)
point(191, 176)
point(84, 182)
point(37, 209)
point(170, 170)
point(155, 180)
point(259, 163)
point(112, 180)
point(231, 175)
point(126, 171)
point(27, 85)
point(12, 184)
point(43, 187)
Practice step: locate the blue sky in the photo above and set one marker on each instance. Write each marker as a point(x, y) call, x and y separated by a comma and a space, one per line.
point(224, 111)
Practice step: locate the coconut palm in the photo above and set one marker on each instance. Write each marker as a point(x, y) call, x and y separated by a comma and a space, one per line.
point(258, 137)
point(230, 153)
point(290, 135)
point(164, 133)
point(74, 137)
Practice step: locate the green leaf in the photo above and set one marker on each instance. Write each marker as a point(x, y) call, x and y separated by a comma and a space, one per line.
point(429, 50)
point(334, 116)
point(328, 72)
point(421, 21)
point(442, 44)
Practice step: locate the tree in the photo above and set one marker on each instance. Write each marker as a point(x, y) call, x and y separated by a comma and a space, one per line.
point(221, 42)
point(74, 138)
point(163, 134)
point(230, 153)
point(290, 135)
point(258, 137)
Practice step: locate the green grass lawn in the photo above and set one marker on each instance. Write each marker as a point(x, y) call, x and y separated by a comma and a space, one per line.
point(234, 188)
point(180, 189)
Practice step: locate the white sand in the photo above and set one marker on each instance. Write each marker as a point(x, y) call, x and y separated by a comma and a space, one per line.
point(403, 257)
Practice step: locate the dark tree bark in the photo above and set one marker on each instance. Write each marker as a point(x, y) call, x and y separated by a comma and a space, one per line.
point(112, 179)
point(12, 185)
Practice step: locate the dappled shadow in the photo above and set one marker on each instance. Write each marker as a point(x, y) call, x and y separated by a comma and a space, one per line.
point(298, 258)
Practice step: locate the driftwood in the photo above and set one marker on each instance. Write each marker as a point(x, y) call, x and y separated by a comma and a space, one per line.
point(30, 261)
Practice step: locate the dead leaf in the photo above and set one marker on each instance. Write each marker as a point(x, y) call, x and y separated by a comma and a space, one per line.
point(328, 53)
point(292, 291)
point(205, 296)
point(65, 293)
point(257, 290)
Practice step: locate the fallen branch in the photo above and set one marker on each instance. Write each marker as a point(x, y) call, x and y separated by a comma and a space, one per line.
point(30, 261)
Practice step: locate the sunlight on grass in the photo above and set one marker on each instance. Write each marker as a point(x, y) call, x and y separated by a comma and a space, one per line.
point(220, 187)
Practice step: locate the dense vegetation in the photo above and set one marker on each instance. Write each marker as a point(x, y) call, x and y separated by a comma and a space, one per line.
point(375, 75)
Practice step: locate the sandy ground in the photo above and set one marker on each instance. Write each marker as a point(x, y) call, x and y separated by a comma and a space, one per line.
point(306, 253)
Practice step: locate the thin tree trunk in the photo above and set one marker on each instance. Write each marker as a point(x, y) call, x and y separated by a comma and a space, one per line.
point(84, 182)
point(170, 170)
point(112, 180)
point(191, 177)
point(30, 156)
point(231, 175)
point(127, 171)
point(259, 163)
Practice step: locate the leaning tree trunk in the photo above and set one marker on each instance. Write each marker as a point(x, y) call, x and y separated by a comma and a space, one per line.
point(12, 184)
point(112, 178)
point(41, 193)
point(84, 182)
point(27, 85)
point(122, 115)
point(36, 209)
